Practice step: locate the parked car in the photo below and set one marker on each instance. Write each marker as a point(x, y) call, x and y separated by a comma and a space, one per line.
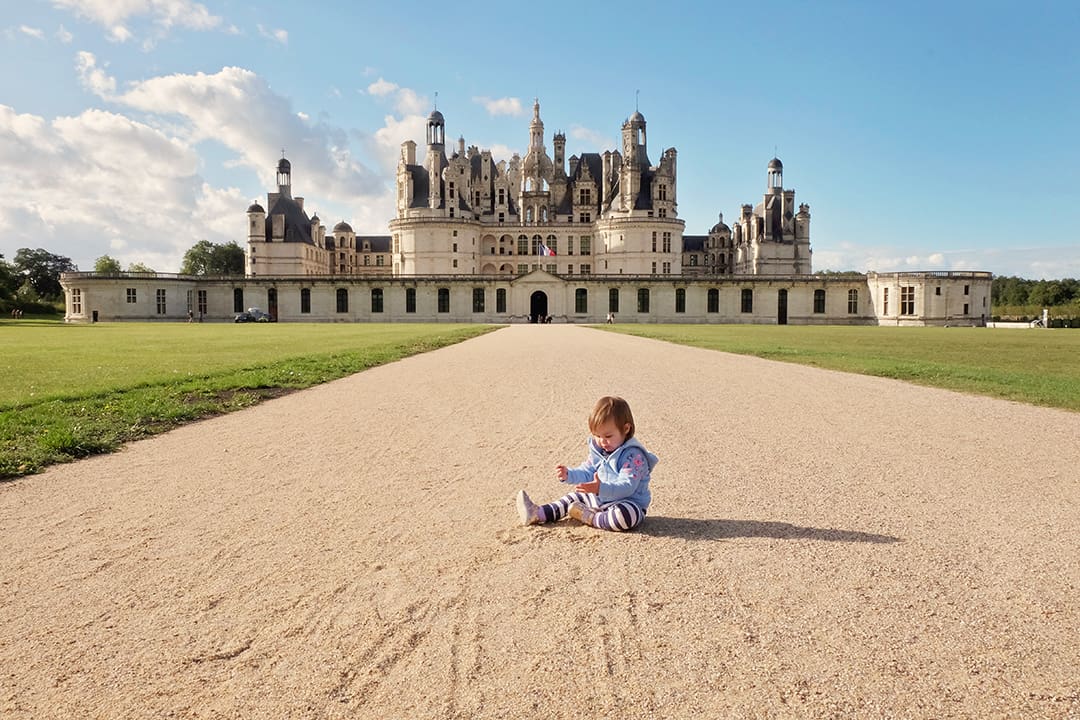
point(253, 314)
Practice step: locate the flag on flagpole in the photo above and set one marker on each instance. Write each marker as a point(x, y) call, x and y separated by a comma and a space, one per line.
point(545, 250)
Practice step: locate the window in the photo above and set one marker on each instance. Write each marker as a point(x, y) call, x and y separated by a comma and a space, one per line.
point(747, 305)
point(190, 307)
point(643, 300)
point(342, 300)
point(654, 241)
point(662, 212)
point(455, 262)
point(714, 300)
point(305, 300)
point(654, 267)
point(500, 300)
point(237, 299)
point(967, 289)
point(410, 300)
point(553, 243)
point(667, 242)
point(586, 269)
point(819, 301)
point(444, 300)
point(613, 300)
point(581, 301)
point(693, 261)
point(131, 296)
point(478, 300)
point(161, 301)
point(202, 302)
point(885, 301)
point(367, 260)
point(852, 302)
point(661, 193)
point(586, 244)
point(667, 268)
point(76, 301)
point(522, 268)
point(523, 245)
point(570, 245)
point(907, 300)
point(937, 290)
point(680, 300)
point(585, 197)
point(379, 260)
point(965, 308)
point(585, 217)
point(376, 300)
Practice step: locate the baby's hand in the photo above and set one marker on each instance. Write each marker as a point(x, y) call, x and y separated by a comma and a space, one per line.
point(561, 472)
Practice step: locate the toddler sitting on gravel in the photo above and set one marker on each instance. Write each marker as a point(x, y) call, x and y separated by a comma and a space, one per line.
point(612, 484)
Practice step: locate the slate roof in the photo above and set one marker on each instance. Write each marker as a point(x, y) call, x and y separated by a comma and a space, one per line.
point(379, 243)
point(297, 222)
point(693, 243)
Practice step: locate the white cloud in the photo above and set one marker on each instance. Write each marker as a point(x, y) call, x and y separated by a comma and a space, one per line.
point(500, 106)
point(64, 36)
point(381, 88)
point(595, 140)
point(32, 32)
point(115, 15)
point(79, 185)
point(93, 78)
point(281, 36)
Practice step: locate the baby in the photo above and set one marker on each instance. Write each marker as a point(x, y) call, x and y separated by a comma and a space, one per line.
point(612, 485)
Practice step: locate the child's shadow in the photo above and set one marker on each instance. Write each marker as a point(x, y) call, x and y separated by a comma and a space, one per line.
point(698, 529)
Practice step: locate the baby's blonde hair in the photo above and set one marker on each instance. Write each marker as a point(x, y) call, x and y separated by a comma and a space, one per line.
point(613, 408)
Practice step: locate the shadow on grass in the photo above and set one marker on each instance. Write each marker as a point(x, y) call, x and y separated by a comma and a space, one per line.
point(698, 529)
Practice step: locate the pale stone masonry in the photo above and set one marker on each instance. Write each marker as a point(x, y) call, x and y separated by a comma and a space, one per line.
point(476, 239)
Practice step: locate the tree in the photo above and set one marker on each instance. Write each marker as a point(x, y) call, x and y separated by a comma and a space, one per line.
point(42, 270)
point(106, 264)
point(207, 258)
point(9, 280)
point(140, 267)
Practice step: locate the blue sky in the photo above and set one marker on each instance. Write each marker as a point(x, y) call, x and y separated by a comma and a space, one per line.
point(923, 135)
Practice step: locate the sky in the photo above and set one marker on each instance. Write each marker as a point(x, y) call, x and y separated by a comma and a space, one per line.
point(933, 135)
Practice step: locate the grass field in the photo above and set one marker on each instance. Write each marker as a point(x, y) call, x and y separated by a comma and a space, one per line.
point(1041, 367)
point(68, 391)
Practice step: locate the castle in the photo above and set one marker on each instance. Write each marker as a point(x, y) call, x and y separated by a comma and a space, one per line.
point(539, 236)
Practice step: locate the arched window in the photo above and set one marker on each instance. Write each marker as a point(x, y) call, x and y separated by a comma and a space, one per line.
point(581, 301)
point(680, 300)
point(342, 300)
point(643, 300)
point(444, 300)
point(305, 300)
point(613, 300)
point(376, 300)
point(853, 301)
point(714, 300)
point(819, 301)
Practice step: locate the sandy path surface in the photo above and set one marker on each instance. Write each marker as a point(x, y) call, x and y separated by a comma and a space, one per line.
point(819, 545)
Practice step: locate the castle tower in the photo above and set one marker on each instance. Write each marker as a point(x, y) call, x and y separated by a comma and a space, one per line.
point(436, 157)
point(635, 159)
point(256, 234)
point(284, 177)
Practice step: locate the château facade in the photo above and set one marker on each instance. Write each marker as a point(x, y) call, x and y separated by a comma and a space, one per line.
point(475, 238)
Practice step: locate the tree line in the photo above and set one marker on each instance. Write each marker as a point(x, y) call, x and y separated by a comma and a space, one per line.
point(1017, 292)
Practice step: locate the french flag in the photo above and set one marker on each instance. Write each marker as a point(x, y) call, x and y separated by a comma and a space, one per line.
point(545, 250)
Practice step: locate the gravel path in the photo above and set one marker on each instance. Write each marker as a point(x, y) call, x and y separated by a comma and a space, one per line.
point(819, 545)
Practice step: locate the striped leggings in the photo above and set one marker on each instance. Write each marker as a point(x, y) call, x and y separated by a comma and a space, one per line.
point(618, 516)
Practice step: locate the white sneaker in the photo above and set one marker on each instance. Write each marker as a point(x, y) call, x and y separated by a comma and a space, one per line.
point(528, 510)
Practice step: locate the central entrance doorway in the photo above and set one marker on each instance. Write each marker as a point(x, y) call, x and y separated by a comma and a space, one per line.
point(781, 307)
point(538, 306)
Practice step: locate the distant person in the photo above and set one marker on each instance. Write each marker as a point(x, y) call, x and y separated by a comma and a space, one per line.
point(611, 318)
point(612, 484)
point(190, 316)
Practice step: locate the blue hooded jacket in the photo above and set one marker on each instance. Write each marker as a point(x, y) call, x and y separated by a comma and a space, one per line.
point(623, 473)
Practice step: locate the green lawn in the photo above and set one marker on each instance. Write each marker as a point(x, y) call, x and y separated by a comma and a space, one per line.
point(1041, 367)
point(68, 391)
